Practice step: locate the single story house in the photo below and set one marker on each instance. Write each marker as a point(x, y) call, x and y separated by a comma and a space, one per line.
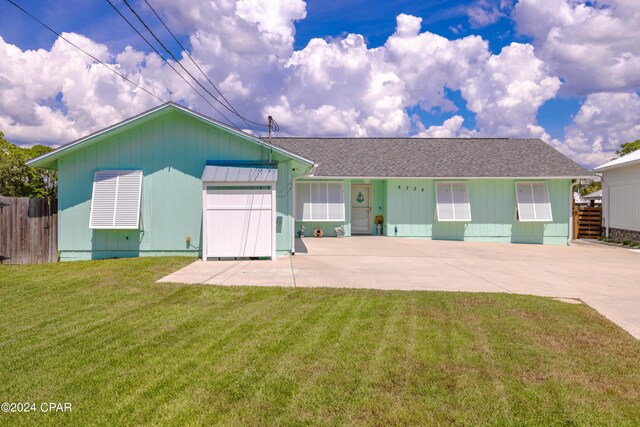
point(621, 196)
point(171, 181)
point(594, 198)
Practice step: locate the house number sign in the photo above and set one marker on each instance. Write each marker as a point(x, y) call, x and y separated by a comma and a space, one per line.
point(414, 188)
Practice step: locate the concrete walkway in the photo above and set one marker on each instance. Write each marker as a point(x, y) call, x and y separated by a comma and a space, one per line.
point(607, 278)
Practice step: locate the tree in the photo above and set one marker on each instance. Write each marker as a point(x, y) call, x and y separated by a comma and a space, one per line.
point(628, 147)
point(19, 180)
point(591, 187)
point(625, 148)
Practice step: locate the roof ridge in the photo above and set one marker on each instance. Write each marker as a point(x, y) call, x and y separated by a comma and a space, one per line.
point(399, 137)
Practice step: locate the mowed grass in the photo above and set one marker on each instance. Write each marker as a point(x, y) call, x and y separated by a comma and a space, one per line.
point(125, 350)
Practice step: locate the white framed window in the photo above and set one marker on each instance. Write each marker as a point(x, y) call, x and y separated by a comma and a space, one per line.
point(533, 202)
point(319, 201)
point(452, 201)
point(115, 203)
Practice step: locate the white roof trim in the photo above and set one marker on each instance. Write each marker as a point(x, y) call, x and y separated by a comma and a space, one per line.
point(245, 135)
point(633, 157)
point(229, 174)
point(596, 194)
point(329, 177)
point(195, 114)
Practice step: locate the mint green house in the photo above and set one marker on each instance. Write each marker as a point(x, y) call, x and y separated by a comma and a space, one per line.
point(171, 181)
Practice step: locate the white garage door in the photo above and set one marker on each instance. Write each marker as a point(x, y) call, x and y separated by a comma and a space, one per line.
point(239, 222)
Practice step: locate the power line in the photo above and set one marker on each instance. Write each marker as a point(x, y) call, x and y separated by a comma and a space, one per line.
point(169, 64)
point(232, 109)
point(178, 61)
point(85, 52)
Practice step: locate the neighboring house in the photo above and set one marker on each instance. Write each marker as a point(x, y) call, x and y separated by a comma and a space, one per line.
point(593, 198)
point(171, 181)
point(621, 196)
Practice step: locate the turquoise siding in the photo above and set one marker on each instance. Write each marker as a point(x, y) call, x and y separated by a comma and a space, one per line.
point(172, 147)
point(410, 206)
point(172, 150)
point(378, 200)
point(412, 209)
point(328, 227)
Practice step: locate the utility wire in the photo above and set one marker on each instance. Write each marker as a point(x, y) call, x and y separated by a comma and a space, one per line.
point(230, 107)
point(126, 2)
point(169, 64)
point(85, 52)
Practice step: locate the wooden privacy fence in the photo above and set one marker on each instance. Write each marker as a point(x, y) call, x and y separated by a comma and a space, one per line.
point(587, 222)
point(28, 230)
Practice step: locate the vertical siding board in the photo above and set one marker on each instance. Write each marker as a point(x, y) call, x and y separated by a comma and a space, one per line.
point(429, 199)
point(623, 197)
point(493, 209)
point(135, 146)
point(406, 223)
point(391, 207)
point(171, 149)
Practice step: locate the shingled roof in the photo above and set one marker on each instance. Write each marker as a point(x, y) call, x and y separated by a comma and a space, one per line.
point(433, 157)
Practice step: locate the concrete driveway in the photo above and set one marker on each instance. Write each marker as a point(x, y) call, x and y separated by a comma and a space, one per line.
point(607, 278)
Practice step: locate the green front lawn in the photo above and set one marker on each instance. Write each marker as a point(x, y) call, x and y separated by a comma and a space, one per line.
point(121, 349)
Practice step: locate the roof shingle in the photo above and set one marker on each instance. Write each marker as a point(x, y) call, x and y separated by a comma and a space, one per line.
point(433, 157)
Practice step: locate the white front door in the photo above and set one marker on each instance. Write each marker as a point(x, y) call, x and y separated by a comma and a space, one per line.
point(361, 209)
point(239, 222)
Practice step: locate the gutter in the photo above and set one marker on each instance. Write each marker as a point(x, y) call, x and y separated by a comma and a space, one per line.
point(517, 178)
point(605, 183)
point(571, 213)
point(307, 174)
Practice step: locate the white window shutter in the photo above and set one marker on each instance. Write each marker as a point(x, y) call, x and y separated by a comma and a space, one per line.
point(452, 201)
point(533, 202)
point(116, 199)
point(335, 204)
point(319, 201)
point(461, 206)
point(541, 201)
point(303, 201)
point(105, 184)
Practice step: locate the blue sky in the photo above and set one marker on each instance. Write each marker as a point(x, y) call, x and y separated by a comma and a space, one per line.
point(428, 68)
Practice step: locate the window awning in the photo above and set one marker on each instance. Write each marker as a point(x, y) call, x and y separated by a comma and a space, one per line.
point(239, 174)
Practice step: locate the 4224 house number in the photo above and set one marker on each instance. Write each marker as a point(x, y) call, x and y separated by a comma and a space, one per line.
point(408, 186)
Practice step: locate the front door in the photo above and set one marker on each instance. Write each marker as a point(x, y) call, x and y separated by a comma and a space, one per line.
point(361, 209)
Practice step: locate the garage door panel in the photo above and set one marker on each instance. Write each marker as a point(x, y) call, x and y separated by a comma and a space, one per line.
point(239, 200)
point(239, 233)
point(239, 223)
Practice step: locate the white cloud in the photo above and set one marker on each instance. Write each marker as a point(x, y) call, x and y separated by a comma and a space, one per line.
point(604, 121)
point(428, 63)
point(593, 46)
point(508, 91)
point(340, 86)
point(487, 12)
point(450, 128)
point(31, 80)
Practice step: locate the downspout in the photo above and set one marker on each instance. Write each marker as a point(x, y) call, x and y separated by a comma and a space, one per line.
point(307, 174)
point(606, 232)
point(571, 213)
